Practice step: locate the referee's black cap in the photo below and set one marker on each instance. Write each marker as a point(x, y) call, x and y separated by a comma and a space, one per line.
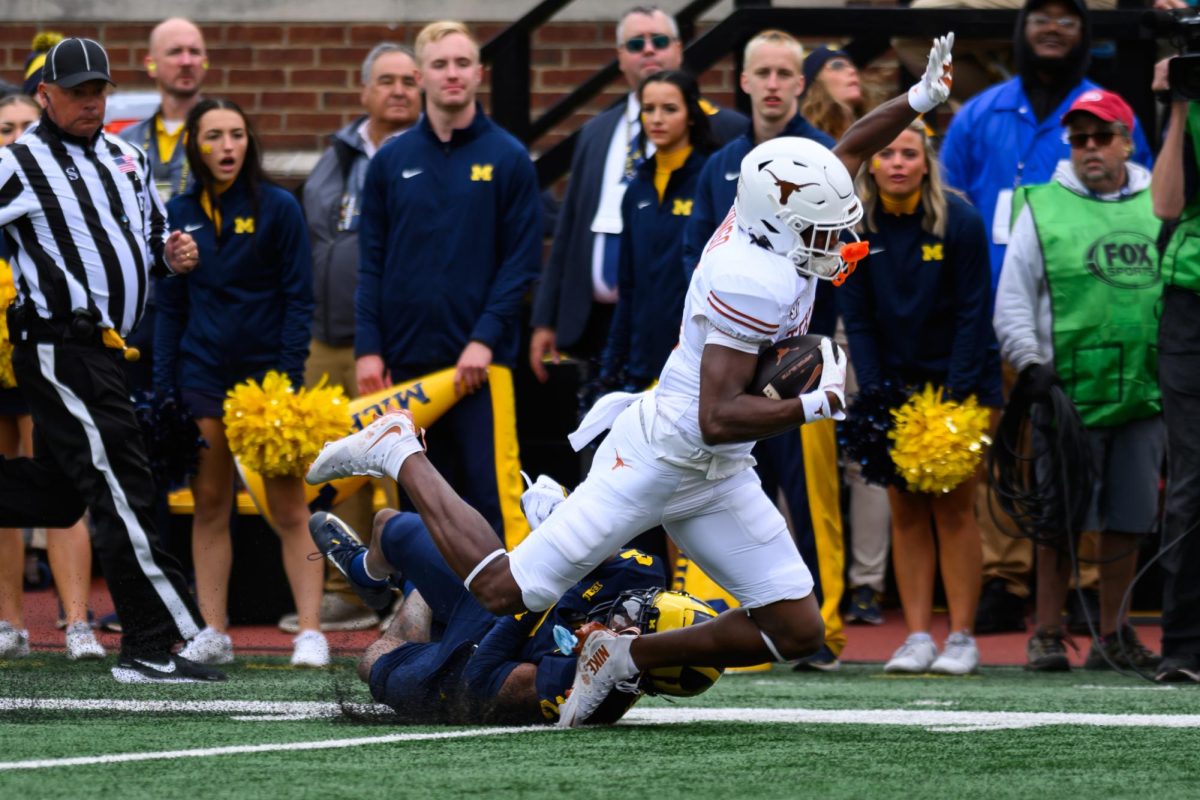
point(75, 61)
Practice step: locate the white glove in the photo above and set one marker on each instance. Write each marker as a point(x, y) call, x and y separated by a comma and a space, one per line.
point(934, 87)
point(833, 380)
point(541, 498)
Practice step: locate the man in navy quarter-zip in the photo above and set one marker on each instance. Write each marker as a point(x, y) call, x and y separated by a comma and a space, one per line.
point(450, 239)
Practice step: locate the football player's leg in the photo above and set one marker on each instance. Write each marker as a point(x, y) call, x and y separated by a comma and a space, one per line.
point(406, 544)
point(624, 494)
point(742, 542)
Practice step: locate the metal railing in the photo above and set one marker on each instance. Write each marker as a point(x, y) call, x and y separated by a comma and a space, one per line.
point(869, 31)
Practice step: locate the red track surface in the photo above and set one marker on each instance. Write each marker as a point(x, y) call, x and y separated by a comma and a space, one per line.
point(866, 643)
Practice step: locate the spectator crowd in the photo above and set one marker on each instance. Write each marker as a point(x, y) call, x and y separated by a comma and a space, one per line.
point(1036, 247)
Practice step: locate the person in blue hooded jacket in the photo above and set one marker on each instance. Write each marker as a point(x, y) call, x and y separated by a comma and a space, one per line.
point(249, 311)
point(1010, 135)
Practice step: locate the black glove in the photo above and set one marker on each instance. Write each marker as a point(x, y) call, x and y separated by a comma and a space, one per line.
point(1037, 379)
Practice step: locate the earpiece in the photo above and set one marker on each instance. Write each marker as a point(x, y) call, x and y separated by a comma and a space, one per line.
point(204, 64)
point(151, 67)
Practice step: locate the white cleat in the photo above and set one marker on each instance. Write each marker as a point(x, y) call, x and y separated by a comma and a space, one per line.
point(82, 644)
point(367, 451)
point(915, 656)
point(541, 498)
point(597, 673)
point(209, 647)
point(310, 649)
point(960, 656)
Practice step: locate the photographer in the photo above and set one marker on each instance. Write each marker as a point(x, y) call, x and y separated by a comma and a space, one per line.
point(1176, 196)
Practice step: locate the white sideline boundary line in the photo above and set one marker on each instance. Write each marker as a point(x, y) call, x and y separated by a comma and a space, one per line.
point(257, 710)
point(326, 744)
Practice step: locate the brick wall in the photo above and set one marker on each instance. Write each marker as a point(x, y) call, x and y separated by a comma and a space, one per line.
point(299, 81)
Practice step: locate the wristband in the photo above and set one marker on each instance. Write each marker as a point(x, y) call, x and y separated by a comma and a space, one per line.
point(919, 99)
point(816, 406)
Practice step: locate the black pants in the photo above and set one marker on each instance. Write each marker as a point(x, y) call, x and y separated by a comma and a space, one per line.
point(1179, 376)
point(89, 452)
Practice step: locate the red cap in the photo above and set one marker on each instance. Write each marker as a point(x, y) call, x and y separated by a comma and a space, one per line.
point(1104, 104)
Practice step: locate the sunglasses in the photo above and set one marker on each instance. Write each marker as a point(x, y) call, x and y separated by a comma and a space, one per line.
point(837, 64)
point(1045, 20)
point(1078, 141)
point(659, 41)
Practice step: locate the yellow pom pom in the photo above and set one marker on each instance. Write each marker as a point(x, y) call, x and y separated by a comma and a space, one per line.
point(8, 293)
point(938, 443)
point(276, 431)
point(44, 40)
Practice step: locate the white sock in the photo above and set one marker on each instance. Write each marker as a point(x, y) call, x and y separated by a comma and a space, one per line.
point(623, 659)
point(921, 636)
point(398, 453)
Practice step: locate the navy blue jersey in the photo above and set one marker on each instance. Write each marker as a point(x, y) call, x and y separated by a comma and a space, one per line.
point(529, 638)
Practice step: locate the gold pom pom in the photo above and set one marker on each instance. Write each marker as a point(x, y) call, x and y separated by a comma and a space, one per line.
point(8, 293)
point(44, 40)
point(276, 431)
point(938, 443)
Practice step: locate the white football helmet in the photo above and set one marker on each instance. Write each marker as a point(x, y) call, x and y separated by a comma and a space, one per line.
point(795, 197)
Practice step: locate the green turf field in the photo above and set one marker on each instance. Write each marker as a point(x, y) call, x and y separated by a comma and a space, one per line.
point(276, 732)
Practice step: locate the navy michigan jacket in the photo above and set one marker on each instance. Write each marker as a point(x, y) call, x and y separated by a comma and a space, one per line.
point(645, 326)
point(247, 308)
point(564, 295)
point(450, 239)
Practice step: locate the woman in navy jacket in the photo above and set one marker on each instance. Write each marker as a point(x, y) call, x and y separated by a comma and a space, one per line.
point(248, 310)
point(918, 311)
point(654, 212)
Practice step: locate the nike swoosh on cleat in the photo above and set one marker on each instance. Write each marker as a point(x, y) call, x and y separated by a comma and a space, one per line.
point(168, 668)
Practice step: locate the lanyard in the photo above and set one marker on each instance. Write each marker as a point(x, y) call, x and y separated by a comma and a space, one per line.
point(152, 133)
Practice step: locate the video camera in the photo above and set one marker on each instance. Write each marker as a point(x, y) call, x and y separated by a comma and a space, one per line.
point(1182, 27)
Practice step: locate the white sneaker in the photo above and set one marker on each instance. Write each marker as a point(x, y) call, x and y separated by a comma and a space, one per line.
point(959, 656)
point(13, 643)
point(541, 498)
point(367, 451)
point(209, 647)
point(82, 644)
point(310, 649)
point(916, 655)
point(603, 663)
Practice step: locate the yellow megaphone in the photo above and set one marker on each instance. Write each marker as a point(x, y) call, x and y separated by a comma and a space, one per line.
point(427, 397)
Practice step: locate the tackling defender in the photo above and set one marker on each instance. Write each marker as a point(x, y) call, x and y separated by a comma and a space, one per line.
point(446, 659)
point(679, 454)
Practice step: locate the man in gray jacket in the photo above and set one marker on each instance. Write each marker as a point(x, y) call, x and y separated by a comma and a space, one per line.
point(331, 205)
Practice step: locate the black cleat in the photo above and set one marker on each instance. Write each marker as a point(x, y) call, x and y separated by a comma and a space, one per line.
point(338, 542)
point(1179, 669)
point(164, 669)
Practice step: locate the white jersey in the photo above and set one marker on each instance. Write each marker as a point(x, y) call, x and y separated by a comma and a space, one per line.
point(744, 291)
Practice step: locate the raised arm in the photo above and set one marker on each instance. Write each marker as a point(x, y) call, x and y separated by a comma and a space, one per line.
point(876, 130)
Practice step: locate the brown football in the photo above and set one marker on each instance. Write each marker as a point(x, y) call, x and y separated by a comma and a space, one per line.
point(789, 368)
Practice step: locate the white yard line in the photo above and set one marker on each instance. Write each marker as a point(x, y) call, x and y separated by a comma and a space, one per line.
point(325, 744)
point(260, 710)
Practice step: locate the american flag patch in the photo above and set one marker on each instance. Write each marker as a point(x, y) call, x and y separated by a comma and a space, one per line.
point(126, 163)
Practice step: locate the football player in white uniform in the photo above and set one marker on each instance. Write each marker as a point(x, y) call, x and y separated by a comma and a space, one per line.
point(679, 455)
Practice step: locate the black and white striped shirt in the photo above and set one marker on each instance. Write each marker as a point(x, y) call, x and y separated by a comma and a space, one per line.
point(83, 223)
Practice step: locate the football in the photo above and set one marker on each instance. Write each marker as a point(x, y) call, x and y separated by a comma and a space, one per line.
point(788, 368)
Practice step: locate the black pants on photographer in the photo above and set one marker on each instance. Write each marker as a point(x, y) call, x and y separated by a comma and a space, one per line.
point(89, 452)
point(1179, 377)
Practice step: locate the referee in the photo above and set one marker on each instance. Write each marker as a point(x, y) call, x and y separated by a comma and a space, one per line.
point(86, 227)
